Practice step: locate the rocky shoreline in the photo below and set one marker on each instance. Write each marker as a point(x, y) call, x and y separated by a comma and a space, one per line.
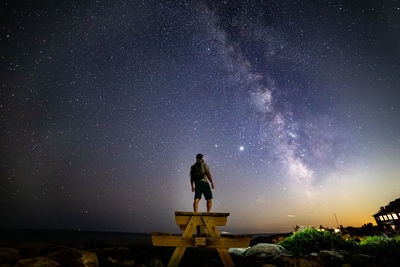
point(262, 254)
point(265, 254)
point(71, 248)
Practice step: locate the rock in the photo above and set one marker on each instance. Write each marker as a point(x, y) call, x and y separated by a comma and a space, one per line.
point(120, 256)
point(265, 250)
point(74, 257)
point(237, 251)
point(114, 252)
point(314, 259)
point(331, 255)
point(119, 262)
point(89, 259)
point(36, 249)
point(345, 253)
point(311, 262)
point(287, 261)
point(9, 255)
point(362, 260)
point(37, 262)
point(112, 260)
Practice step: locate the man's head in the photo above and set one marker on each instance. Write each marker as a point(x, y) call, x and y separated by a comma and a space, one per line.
point(199, 157)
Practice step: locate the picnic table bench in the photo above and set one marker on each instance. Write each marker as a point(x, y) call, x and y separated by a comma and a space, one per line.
point(208, 236)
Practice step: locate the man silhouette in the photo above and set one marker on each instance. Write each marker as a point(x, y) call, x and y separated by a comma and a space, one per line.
point(199, 177)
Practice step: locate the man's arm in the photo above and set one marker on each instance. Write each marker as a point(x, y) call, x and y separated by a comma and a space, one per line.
point(191, 183)
point(210, 179)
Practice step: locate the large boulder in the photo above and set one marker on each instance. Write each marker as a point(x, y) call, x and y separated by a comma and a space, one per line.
point(37, 262)
point(237, 251)
point(9, 255)
point(75, 257)
point(265, 250)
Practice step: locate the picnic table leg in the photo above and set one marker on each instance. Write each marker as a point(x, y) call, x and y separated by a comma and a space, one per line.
point(179, 251)
point(210, 225)
point(225, 257)
point(223, 252)
point(176, 257)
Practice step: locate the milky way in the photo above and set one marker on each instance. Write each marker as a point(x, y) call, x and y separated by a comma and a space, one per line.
point(104, 106)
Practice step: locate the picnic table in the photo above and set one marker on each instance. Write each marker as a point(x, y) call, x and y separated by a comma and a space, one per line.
point(208, 236)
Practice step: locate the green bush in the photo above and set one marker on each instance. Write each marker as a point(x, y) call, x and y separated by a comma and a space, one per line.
point(380, 245)
point(309, 240)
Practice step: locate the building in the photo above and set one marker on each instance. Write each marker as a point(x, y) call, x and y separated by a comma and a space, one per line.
point(388, 217)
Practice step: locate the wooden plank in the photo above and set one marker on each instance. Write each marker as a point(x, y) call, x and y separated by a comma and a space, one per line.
point(182, 220)
point(199, 241)
point(228, 242)
point(188, 233)
point(180, 250)
point(223, 242)
point(176, 257)
point(211, 227)
point(212, 230)
point(191, 226)
point(225, 257)
point(212, 214)
point(172, 241)
point(188, 221)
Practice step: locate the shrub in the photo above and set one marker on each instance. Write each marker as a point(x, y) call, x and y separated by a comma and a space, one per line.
point(308, 240)
point(380, 245)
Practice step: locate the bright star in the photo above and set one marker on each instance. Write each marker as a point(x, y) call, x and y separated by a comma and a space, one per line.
point(241, 148)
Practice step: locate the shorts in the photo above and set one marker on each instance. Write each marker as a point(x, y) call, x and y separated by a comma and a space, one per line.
point(202, 188)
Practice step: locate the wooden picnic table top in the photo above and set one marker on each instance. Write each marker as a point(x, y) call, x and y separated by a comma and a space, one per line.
point(222, 235)
point(211, 214)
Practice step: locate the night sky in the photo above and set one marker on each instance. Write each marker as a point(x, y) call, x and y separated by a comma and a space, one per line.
point(104, 105)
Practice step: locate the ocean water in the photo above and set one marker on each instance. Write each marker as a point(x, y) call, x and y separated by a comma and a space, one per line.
point(67, 237)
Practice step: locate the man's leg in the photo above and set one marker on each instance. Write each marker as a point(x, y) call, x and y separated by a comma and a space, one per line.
point(196, 204)
point(209, 205)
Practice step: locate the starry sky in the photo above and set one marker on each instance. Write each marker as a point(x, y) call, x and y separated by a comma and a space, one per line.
point(104, 105)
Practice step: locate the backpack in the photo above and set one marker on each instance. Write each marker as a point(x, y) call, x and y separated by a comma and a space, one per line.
point(196, 173)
